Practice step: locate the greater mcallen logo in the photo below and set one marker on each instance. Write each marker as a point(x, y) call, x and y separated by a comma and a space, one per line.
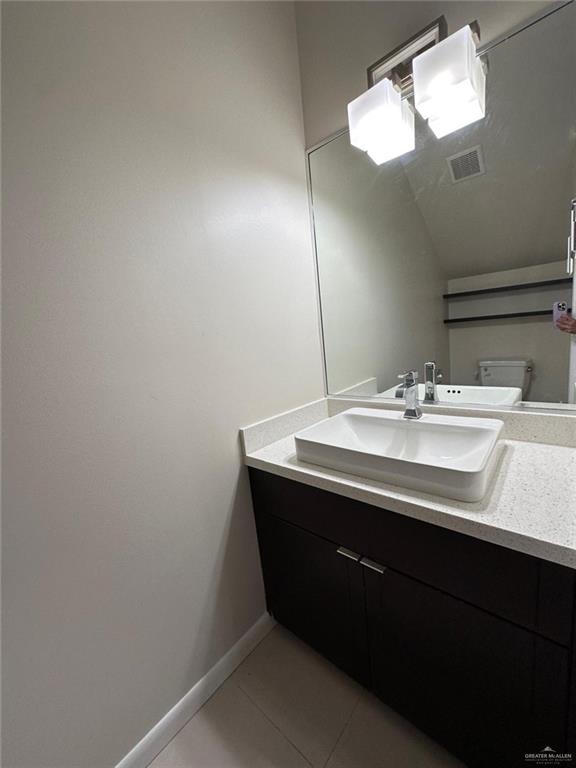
point(548, 756)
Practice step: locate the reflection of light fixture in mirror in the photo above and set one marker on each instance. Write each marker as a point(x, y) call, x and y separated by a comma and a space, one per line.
point(450, 84)
point(381, 123)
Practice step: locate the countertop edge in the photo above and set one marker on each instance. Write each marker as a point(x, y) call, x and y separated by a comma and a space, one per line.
point(329, 480)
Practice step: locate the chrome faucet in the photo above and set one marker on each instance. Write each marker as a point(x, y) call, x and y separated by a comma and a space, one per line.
point(412, 410)
point(432, 376)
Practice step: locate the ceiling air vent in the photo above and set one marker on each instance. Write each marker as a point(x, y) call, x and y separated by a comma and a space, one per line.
point(466, 164)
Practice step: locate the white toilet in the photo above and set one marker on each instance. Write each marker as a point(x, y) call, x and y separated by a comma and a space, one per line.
point(511, 372)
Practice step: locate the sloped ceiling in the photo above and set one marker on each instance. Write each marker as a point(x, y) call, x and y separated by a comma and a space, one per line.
point(516, 213)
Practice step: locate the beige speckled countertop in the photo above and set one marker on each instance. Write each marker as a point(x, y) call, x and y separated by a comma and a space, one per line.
point(530, 505)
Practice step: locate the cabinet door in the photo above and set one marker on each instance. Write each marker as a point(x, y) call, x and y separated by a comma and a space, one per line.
point(468, 679)
point(315, 589)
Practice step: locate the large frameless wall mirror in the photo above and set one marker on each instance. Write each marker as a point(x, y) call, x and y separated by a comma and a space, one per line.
point(456, 251)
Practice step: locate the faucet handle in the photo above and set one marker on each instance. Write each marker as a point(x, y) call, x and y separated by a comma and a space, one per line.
point(432, 365)
point(409, 377)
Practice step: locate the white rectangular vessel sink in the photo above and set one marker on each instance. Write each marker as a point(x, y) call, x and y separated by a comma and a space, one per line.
point(445, 455)
point(448, 393)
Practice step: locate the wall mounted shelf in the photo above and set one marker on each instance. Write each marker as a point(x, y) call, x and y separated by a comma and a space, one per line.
point(506, 288)
point(506, 316)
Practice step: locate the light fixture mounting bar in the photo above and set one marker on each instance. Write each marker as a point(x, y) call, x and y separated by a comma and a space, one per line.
point(396, 65)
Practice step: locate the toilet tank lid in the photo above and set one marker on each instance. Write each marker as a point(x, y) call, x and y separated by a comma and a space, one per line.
point(520, 363)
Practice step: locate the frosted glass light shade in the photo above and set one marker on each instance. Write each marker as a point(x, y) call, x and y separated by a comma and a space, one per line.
point(449, 83)
point(398, 139)
point(381, 123)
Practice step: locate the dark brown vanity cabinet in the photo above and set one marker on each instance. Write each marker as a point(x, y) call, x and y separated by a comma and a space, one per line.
point(462, 675)
point(317, 592)
point(469, 641)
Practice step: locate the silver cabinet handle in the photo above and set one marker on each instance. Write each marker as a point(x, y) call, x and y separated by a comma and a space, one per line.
point(348, 553)
point(372, 565)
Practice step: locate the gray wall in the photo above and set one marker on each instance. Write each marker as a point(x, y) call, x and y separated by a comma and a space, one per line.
point(380, 280)
point(338, 40)
point(159, 293)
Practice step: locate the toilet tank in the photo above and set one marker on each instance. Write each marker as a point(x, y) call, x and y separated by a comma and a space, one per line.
point(506, 373)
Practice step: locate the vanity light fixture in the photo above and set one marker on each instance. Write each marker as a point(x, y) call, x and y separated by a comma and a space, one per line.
point(381, 123)
point(450, 83)
point(381, 120)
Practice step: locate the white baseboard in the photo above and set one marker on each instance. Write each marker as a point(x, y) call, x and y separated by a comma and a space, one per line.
point(158, 737)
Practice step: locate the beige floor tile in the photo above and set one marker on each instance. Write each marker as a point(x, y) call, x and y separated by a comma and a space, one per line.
point(377, 737)
point(304, 695)
point(229, 732)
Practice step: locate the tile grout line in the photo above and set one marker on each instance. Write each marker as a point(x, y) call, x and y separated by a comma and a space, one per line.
point(266, 636)
point(343, 731)
point(187, 723)
point(209, 698)
point(284, 736)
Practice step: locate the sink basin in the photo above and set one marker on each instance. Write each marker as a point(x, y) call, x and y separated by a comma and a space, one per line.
point(445, 455)
point(448, 393)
